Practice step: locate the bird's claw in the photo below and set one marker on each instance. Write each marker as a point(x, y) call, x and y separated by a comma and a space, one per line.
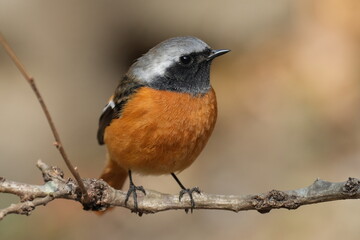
point(189, 192)
point(132, 191)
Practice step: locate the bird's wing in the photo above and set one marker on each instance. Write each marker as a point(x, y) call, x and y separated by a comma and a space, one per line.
point(126, 88)
point(105, 119)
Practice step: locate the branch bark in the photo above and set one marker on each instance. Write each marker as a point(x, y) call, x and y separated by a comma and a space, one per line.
point(102, 196)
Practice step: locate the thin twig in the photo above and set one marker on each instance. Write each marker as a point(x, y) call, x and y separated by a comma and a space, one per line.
point(103, 196)
point(58, 144)
point(25, 208)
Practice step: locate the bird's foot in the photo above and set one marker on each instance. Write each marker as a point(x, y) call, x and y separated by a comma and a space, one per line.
point(132, 191)
point(190, 192)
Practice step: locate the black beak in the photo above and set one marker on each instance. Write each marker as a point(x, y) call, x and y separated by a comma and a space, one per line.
point(217, 53)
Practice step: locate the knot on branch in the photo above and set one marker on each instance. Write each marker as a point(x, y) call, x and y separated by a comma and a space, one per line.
point(351, 186)
point(26, 209)
point(274, 199)
point(50, 173)
point(96, 190)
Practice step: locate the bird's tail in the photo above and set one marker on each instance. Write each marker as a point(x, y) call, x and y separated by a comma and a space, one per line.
point(115, 176)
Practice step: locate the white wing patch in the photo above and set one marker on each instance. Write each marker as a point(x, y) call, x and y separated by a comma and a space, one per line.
point(111, 104)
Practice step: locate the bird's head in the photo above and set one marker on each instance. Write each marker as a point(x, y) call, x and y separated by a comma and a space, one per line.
point(180, 64)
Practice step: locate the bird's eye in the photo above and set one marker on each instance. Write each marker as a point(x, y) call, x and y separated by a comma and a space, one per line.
point(186, 60)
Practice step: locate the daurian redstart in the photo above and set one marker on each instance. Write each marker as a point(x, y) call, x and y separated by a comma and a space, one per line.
point(161, 114)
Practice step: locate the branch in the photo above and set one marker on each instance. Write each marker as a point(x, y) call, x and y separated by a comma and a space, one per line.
point(58, 142)
point(102, 196)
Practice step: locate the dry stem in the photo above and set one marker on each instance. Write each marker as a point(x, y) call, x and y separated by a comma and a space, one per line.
point(58, 142)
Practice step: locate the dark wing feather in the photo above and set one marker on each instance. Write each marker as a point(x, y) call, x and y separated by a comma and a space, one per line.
point(104, 121)
point(126, 88)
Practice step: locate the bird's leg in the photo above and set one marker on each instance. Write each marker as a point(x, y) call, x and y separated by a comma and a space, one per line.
point(132, 190)
point(188, 191)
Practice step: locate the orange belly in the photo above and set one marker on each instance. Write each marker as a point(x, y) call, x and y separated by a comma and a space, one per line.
point(160, 132)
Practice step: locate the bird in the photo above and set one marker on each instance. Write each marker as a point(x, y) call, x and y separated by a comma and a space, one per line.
point(160, 116)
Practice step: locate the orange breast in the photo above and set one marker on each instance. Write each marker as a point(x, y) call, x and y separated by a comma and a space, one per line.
point(161, 132)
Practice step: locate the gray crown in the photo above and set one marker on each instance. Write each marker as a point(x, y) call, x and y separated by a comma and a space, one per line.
point(155, 62)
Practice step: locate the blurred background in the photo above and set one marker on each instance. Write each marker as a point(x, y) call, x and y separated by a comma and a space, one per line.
point(288, 97)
